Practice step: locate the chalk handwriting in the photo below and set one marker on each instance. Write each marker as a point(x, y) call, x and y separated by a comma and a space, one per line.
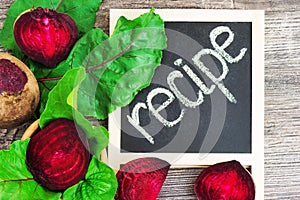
point(219, 53)
point(220, 49)
point(184, 100)
point(155, 112)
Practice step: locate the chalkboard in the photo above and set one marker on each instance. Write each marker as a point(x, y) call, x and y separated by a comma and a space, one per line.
point(205, 103)
point(223, 122)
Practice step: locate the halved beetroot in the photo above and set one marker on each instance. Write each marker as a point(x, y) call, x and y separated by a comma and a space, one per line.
point(45, 35)
point(19, 92)
point(225, 181)
point(56, 155)
point(141, 179)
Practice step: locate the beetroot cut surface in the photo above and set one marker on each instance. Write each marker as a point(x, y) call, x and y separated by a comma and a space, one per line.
point(225, 181)
point(12, 78)
point(56, 156)
point(46, 36)
point(141, 179)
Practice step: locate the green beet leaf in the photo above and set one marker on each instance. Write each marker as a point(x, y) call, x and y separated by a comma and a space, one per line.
point(48, 78)
point(57, 106)
point(62, 104)
point(83, 13)
point(16, 182)
point(118, 68)
point(100, 183)
point(122, 65)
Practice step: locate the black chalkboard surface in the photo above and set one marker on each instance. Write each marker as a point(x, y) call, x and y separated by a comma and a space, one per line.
point(200, 97)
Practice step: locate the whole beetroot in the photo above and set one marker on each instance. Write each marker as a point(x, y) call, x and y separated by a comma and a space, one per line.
point(56, 155)
point(225, 181)
point(141, 179)
point(44, 35)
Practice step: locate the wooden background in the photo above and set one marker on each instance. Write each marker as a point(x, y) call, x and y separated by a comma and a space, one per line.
point(282, 92)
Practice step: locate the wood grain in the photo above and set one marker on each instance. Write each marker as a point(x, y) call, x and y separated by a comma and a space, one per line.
point(282, 92)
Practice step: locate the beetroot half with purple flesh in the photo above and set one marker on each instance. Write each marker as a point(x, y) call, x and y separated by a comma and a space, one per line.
point(19, 92)
point(44, 35)
point(141, 179)
point(56, 155)
point(225, 181)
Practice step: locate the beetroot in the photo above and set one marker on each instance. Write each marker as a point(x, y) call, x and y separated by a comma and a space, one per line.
point(19, 92)
point(45, 35)
point(141, 179)
point(226, 181)
point(56, 156)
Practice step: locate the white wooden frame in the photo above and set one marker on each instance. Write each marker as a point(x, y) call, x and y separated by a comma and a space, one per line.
point(254, 159)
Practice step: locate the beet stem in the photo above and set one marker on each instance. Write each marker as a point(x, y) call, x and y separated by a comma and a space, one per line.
point(59, 4)
point(18, 180)
point(109, 60)
point(49, 79)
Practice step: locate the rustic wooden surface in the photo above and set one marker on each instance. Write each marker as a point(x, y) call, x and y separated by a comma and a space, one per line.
point(282, 92)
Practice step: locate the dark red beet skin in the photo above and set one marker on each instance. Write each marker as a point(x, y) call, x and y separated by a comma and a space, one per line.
point(56, 156)
point(141, 179)
point(45, 35)
point(225, 181)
